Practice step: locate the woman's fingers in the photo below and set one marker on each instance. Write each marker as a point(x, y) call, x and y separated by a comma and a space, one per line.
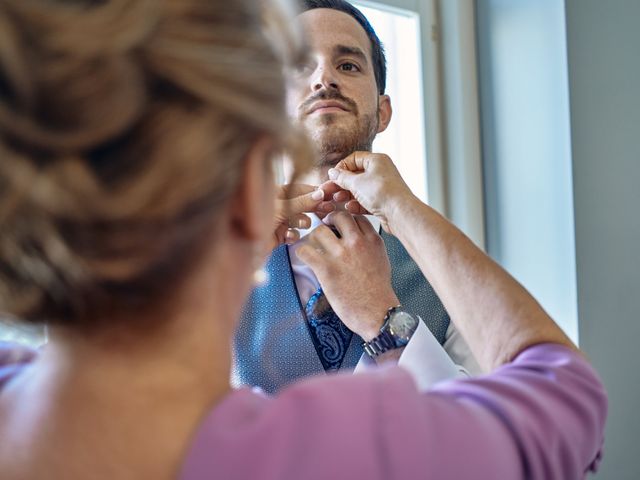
point(354, 208)
point(299, 220)
point(307, 202)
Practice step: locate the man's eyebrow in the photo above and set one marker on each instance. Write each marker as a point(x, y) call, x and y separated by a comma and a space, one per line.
point(354, 51)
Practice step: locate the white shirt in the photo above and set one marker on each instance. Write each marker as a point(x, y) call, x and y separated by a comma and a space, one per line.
point(424, 357)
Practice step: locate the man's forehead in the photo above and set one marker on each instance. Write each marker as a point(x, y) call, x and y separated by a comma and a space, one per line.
point(327, 28)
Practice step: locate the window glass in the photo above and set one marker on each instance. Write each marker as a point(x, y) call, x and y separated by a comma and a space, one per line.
point(11, 331)
point(404, 139)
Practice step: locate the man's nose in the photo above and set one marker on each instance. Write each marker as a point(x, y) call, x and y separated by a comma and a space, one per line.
point(324, 77)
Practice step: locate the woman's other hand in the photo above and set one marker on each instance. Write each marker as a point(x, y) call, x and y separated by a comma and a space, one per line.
point(292, 202)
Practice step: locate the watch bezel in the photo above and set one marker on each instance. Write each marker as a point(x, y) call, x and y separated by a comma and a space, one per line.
point(401, 339)
point(388, 339)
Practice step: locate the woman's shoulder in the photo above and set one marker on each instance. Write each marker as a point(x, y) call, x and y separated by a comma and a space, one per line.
point(332, 422)
point(378, 425)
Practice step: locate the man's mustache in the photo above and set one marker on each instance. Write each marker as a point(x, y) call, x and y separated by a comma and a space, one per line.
point(349, 104)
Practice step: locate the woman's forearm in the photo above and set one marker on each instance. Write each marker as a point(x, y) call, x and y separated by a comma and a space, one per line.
point(494, 313)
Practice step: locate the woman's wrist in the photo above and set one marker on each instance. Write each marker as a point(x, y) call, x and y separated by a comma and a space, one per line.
point(397, 210)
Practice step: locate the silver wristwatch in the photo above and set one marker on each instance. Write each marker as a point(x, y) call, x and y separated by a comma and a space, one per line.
point(396, 332)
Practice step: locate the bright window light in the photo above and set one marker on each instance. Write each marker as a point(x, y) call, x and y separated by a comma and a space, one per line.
point(404, 139)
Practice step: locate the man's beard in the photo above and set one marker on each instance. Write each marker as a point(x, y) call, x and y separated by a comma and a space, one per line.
point(334, 141)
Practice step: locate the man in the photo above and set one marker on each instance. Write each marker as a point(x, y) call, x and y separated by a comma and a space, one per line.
point(287, 329)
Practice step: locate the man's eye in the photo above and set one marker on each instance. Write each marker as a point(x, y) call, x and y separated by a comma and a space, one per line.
point(349, 67)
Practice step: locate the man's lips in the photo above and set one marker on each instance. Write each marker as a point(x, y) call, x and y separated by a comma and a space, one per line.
point(327, 106)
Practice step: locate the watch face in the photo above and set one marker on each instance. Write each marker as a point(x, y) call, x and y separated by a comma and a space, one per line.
point(402, 325)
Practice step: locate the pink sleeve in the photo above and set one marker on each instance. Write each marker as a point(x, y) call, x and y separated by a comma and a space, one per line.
point(542, 417)
point(12, 358)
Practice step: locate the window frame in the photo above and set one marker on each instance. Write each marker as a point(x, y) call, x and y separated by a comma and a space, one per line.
point(450, 108)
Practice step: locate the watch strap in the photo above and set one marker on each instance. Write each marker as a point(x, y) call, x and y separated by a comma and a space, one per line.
point(385, 340)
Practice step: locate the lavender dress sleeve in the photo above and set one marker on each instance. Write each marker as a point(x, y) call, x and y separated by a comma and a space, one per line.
point(13, 358)
point(540, 417)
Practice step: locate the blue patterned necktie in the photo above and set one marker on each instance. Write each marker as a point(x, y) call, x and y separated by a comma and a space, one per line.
point(330, 336)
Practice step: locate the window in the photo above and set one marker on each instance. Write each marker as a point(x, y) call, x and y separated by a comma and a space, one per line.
point(527, 142)
point(435, 135)
point(12, 331)
point(404, 139)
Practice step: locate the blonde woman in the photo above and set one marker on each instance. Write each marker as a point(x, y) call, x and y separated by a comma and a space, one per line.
point(136, 203)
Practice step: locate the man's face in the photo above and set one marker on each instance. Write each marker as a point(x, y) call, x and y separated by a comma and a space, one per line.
point(334, 95)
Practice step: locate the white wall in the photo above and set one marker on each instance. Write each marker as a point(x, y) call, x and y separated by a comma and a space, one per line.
point(603, 39)
point(525, 153)
point(527, 149)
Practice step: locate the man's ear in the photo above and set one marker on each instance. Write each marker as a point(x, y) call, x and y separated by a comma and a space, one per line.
point(252, 206)
point(384, 112)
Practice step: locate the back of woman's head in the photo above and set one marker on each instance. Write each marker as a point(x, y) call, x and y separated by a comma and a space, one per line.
point(123, 129)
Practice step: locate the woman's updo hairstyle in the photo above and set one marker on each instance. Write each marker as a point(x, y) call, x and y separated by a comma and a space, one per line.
point(124, 125)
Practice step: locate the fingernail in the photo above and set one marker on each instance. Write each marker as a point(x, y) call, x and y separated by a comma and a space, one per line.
point(333, 173)
point(317, 195)
point(290, 236)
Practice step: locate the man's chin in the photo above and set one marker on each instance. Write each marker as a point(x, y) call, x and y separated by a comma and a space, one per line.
point(336, 140)
point(326, 121)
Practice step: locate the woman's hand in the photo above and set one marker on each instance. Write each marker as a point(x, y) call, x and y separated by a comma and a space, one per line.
point(369, 183)
point(292, 201)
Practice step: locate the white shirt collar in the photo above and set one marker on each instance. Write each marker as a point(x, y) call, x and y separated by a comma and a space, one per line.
point(316, 221)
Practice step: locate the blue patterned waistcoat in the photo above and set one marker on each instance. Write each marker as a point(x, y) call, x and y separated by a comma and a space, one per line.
point(273, 347)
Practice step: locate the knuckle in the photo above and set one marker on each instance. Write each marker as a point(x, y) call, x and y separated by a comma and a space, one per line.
point(358, 242)
point(304, 252)
point(341, 258)
point(340, 215)
point(340, 251)
point(315, 234)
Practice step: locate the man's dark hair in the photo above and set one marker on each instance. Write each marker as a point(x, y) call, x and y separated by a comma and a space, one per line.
point(377, 49)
